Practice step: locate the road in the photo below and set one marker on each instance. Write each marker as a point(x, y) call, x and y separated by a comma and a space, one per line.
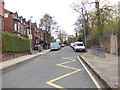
point(56, 69)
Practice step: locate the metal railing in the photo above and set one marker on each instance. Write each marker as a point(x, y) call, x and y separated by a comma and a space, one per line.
point(98, 51)
point(107, 33)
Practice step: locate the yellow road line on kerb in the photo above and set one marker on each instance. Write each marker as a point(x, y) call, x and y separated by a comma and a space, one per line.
point(63, 76)
point(93, 79)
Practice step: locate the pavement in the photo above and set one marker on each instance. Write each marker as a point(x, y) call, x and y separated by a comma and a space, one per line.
point(105, 68)
point(21, 59)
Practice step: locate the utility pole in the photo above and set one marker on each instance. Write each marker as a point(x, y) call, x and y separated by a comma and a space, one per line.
point(84, 27)
point(31, 35)
point(119, 17)
point(118, 41)
point(98, 15)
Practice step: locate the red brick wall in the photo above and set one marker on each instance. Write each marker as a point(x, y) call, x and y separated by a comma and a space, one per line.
point(33, 37)
point(8, 56)
point(22, 29)
point(8, 23)
point(1, 8)
point(41, 36)
point(2, 12)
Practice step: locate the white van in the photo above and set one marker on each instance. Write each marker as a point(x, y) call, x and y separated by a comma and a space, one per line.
point(79, 46)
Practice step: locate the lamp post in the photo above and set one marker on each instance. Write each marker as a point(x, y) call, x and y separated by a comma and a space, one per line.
point(30, 36)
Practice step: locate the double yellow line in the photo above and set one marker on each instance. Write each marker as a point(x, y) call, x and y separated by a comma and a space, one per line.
point(51, 82)
point(62, 65)
point(93, 79)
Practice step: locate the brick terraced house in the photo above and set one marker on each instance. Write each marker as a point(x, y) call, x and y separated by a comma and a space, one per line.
point(1, 14)
point(15, 24)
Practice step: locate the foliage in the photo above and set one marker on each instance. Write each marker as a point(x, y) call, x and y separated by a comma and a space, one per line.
point(43, 43)
point(48, 23)
point(62, 35)
point(96, 21)
point(14, 44)
point(70, 40)
point(80, 37)
point(65, 42)
point(53, 40)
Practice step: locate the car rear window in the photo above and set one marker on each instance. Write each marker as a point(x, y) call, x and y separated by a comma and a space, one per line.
point(79, 44)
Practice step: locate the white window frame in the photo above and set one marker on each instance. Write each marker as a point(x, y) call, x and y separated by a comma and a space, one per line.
point(15, 26)
point(0, 24)
point(19, 28)
point(25, 32)
point(6, 15)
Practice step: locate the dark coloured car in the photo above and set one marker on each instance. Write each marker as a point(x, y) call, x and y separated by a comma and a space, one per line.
point(38, 47)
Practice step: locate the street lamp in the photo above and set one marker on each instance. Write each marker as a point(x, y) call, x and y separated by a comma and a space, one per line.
point(30, 36)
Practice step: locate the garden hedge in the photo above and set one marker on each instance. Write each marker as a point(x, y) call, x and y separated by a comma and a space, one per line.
point(12, 43)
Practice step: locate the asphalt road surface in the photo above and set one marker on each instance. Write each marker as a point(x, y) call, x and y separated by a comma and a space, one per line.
point(55, 69)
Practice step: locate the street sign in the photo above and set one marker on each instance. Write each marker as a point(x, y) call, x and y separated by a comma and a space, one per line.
point(30, 36)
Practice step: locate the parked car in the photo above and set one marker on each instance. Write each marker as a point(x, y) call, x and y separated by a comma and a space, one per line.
point(72, 45)
point(79, 46)
point(38, 47)
point(62, 45)
point(55, 46)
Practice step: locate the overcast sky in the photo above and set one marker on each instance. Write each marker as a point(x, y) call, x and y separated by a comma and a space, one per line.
point(60, 9)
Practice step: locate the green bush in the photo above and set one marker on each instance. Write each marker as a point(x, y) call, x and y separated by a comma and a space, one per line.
point(14, 44)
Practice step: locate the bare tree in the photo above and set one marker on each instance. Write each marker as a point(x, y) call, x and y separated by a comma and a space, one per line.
point(48, 23)
point(82, 9)
point(62, 35)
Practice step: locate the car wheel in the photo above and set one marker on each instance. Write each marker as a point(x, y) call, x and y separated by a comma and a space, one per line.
point(83, 50)
point(75, 50)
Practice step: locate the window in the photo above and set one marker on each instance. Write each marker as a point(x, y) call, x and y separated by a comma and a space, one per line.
point(15, 27)
point(6, 15)
point(36, 42)
point(21, 21)
point(21, 32)
point(79, 45)
point(25, 32)
point(0, 24)
point(19, 28)
point(29, 32)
